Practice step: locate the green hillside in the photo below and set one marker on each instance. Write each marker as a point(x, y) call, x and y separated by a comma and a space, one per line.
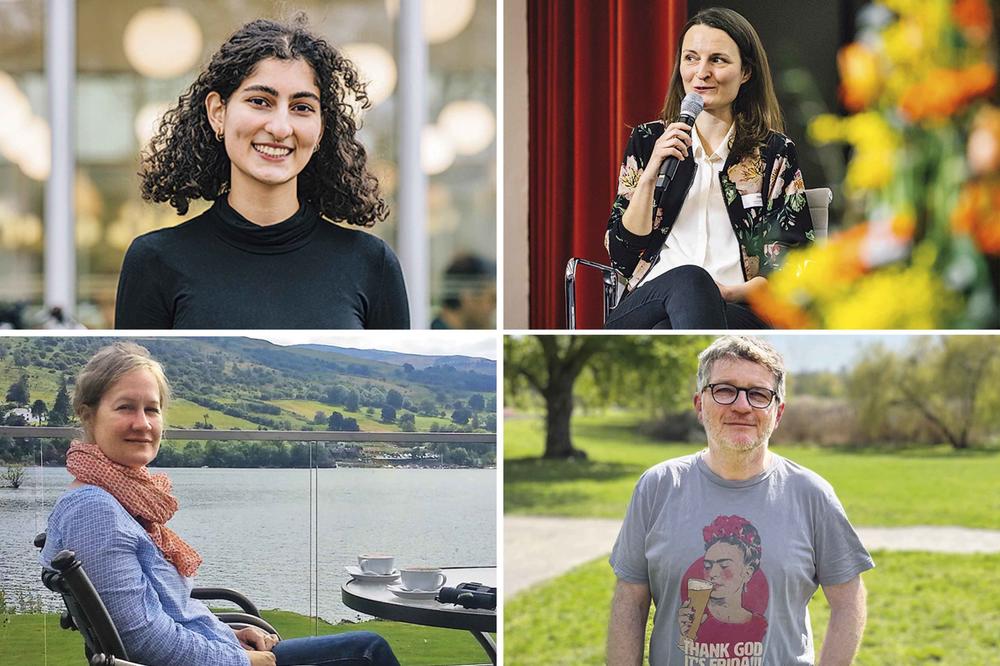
point(248, 384)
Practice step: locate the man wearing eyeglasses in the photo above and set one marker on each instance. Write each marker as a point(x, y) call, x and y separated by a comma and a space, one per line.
point(731, 543)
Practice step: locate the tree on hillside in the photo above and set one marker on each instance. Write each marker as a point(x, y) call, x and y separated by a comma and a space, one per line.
point(61, 409)
point(335, 395)
point(394, 398)
point(351, 400)
point(476, 402)
point(388, 414)
point(407, 422)
point(19, 391)
point(38, 408)
point(649, 372)
point(461, 416)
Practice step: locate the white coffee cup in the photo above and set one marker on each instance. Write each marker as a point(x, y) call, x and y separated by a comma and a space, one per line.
point(376, 564)
point(426, 579)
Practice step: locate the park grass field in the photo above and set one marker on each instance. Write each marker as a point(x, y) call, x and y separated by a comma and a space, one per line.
point(36, 638)
point(927, 486)
point(923, 608)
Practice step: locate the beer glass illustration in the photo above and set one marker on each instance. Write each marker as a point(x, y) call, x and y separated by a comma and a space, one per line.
point(698, 593)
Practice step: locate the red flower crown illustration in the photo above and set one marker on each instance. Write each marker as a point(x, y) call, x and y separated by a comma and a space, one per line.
point(734, 527)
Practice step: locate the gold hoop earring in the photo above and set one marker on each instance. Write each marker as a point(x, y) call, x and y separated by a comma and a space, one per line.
point(219, 136)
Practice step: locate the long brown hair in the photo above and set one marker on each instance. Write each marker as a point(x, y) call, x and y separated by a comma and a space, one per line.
point(756, 107)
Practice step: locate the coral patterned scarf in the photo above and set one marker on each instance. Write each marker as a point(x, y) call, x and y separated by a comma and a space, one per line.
point(146, 496)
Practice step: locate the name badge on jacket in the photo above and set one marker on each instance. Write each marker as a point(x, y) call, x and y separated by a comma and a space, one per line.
point(753, 200)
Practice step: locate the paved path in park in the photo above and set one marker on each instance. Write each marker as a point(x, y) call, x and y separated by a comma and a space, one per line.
point(539, 548)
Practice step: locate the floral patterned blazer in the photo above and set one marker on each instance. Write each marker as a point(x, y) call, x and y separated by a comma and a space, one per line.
point(766, 222)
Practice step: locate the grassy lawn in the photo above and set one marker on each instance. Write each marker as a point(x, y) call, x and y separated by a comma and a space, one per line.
point(922, 609)
point(25, 638)
point(876, 488)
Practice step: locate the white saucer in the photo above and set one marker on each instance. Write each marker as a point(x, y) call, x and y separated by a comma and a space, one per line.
point(366, 577)
point(404, 593)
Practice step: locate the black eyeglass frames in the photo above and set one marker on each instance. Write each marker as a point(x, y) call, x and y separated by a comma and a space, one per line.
point(758, 396)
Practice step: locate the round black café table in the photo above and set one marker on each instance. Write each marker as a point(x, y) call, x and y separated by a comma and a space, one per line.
point(375, 599)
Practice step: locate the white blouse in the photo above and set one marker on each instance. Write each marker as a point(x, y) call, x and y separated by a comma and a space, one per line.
point(703, 235)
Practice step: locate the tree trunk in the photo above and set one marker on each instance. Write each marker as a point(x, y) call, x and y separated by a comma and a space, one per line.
point(558, 412)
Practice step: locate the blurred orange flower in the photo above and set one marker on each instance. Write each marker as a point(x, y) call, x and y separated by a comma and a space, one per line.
point(859, 76)
point(974, 18)
point(977, 214)
point(945, 91)
point(778, 312)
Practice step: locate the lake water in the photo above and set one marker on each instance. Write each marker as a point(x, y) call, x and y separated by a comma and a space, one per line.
point(252, 527)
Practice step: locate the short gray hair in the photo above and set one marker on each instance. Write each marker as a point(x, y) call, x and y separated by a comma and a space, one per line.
point(746, 348)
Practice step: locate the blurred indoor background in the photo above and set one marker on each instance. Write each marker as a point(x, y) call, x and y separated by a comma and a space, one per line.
point(132, 60)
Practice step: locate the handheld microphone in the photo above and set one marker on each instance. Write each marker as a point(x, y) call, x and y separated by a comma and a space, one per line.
point(691, 106)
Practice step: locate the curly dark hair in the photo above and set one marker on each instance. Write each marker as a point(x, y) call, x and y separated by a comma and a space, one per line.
point(185, 161)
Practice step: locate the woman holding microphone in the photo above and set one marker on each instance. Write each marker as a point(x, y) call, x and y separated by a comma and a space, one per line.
point(693, 247)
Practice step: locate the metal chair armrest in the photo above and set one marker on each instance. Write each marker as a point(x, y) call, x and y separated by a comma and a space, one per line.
point(106, 660)
point(225, 594)
point(240, 620)
point(610, 279)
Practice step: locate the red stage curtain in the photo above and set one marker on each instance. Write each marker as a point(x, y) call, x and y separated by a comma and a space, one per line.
point(596, 68)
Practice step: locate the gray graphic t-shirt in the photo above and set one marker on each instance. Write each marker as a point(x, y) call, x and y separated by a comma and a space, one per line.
point(731, 565)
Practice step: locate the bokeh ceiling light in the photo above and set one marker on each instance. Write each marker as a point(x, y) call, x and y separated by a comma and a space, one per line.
point(162, 42)
point(469, 124)
point(15, 111)
point(442, 19)
point(34, 156)
point(436, 151)
point(377, 69)
point(147, 120)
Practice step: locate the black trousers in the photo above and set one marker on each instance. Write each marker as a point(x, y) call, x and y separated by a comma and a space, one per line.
point(685, 297)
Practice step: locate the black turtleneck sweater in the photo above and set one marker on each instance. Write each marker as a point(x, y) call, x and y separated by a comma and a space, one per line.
point(219, 270)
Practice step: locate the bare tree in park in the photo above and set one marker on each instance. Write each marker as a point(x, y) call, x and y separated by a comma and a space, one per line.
point(949, 383)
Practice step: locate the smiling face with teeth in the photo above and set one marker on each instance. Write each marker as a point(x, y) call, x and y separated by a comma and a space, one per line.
point(271, 124)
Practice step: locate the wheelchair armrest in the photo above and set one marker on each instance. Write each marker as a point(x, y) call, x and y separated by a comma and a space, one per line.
point(610, 278)
point(240, 620)
point(225, 594)
point(105, 660)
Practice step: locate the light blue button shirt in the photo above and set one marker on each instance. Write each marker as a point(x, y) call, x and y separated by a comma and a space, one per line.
point(148, 599)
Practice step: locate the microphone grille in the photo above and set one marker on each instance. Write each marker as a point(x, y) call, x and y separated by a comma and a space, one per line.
point(692, 105)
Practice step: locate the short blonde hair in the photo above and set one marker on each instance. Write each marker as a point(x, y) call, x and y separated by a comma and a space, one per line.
point(748, 349)
point(106, 367)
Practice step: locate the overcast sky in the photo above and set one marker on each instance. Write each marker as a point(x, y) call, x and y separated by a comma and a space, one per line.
point(826, 351)
point(481, 344)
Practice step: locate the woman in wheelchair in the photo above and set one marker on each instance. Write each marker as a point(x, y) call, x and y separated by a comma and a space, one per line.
point(691, 251)
point(114, 516)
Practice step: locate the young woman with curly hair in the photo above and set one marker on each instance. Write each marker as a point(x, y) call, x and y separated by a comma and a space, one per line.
point(267, 133)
